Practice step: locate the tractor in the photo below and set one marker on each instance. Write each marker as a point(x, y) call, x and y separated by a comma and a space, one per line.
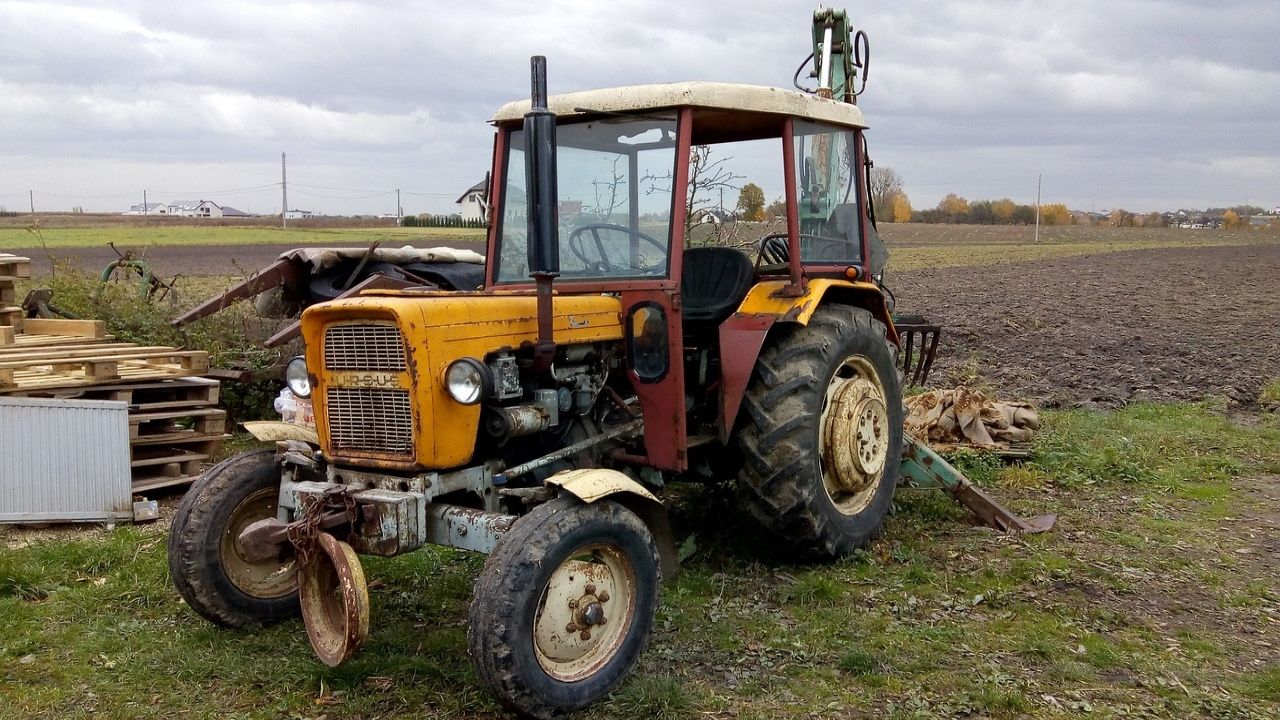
point(537, 418)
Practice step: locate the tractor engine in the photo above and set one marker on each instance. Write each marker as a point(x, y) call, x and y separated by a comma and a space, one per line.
point(420, 381)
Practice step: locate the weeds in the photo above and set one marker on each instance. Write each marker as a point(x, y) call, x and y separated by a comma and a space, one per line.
point(233, 337)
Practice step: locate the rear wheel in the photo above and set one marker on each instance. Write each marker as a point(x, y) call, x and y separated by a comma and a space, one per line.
point(206, 562)
point(822, 432)
point(563, 608)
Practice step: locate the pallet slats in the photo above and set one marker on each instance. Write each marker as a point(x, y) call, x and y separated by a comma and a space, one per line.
point(175, 425)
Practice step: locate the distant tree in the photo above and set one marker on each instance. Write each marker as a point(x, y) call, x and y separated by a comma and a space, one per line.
point(1003, 209)
point(707, 175)
point(954, 208)
point(885, 184)
point(981, 212)
point(1153, 219)
point(777, 208)
point(1231, 220)
point(751, 202)
point(1121, 218)
point(1024, 214)
point(1055, 214)
point(901, 208)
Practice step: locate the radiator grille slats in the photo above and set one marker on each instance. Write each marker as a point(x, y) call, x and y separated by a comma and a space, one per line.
point(369, 420)
point(363, 346)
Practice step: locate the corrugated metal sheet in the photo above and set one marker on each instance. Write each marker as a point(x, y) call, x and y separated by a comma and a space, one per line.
point(64, 460)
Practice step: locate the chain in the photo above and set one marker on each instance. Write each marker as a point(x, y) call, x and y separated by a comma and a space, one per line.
point(304, 533)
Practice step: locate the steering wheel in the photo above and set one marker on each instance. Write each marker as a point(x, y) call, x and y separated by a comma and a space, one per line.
point(774, 250)
point(574, 242)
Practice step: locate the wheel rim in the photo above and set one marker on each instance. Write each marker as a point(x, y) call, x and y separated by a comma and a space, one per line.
point(853, 435)
point(264, 580)
point(585, 612)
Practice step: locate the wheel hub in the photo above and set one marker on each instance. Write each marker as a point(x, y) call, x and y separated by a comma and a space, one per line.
point(855, 437)
point(581, 622)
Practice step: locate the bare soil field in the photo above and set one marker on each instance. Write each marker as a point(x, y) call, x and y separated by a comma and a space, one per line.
point(1154, 324)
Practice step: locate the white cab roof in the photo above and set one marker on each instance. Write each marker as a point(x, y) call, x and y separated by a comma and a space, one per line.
point(710, 95)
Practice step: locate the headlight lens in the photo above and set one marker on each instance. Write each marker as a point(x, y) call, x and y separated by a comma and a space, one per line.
point(467, 380)
point(295, 376)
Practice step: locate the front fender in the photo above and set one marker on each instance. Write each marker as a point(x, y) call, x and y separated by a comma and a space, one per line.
point(594, 484)
point(277, 430)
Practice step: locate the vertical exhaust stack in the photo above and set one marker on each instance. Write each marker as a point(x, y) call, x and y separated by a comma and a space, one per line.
point(542, 207)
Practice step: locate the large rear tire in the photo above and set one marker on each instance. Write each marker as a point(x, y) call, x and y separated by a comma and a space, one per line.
point(564, 606)
point(821, 433)
point(204, 559)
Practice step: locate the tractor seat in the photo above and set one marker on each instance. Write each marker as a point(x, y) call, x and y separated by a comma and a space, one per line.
point(715, 281)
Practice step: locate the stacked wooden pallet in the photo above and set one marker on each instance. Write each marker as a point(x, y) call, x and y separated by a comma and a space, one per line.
point(174, 423)
point(12, 268)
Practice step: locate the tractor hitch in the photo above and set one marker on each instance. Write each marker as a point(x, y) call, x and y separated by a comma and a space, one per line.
point(924, 469)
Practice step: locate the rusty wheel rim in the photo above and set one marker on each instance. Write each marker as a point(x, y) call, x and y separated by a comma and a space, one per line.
point(264, 580)
point(335, 600)
point(853, 435)
point(585, 612)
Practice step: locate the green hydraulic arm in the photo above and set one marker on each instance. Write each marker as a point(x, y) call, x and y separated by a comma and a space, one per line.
point(925, 469)
point(835, 56)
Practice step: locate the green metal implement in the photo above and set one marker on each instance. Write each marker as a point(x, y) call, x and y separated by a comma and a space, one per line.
point(924, 469)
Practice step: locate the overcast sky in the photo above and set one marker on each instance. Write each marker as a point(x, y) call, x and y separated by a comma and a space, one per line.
point(1142, 105)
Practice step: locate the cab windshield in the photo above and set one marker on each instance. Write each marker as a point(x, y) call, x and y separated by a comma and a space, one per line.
point(827, 194)
point(613, 177)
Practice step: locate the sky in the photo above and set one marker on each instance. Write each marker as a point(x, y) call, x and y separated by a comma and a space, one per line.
point(1116, 103)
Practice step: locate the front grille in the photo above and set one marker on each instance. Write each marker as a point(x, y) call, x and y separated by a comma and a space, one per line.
point(363, 346)
point(369, 420)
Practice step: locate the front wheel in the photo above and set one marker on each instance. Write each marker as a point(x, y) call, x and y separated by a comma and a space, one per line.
point(206, 562)
point(564, 606)
point(821, 435)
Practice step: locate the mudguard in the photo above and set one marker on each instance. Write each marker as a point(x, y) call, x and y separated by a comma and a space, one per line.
point(594, 484)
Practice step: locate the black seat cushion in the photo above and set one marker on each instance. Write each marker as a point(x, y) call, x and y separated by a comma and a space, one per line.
point(714, 282)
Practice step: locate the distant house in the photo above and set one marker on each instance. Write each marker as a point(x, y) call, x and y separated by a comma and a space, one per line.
point(710, 216)
point(228, 211)
point(195, 208)
point(297, 214)
point(147, 209)
point(472, 205)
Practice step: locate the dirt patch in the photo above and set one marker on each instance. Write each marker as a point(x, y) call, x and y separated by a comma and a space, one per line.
point(1158, 324)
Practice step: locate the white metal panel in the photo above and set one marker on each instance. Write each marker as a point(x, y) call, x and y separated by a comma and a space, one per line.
point(64, 460)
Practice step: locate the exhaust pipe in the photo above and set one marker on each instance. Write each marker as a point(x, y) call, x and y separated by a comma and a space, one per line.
point(542, 208)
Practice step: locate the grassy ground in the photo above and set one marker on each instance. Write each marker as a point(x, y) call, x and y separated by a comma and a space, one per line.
point(187, 235)
point(1156, 596)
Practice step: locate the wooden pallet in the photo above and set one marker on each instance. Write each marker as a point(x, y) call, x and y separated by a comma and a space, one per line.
point(188, 392)
point(167, 423)
point(174, 424)
point(94, 366)
point(13, 267)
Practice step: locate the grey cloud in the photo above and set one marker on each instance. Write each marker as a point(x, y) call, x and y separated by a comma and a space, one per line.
point(1145, 104)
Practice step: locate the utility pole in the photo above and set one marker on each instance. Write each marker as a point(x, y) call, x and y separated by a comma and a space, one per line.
point(399, 210)
point(31, 196)
point(1038, 179)
point(145, 210)
point(284, 196)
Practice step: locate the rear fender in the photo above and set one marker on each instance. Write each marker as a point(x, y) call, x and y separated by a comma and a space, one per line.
point(744, 332)
point(595, 484)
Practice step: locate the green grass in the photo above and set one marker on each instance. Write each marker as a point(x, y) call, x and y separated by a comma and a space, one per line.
point(1270, 395)
point(138, 237)
point(1138, 605)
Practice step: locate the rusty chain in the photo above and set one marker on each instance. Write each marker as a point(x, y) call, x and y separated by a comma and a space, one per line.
point(304, 533)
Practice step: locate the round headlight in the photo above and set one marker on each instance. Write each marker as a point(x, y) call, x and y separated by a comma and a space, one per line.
point(467, 380)
point(295, 376)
